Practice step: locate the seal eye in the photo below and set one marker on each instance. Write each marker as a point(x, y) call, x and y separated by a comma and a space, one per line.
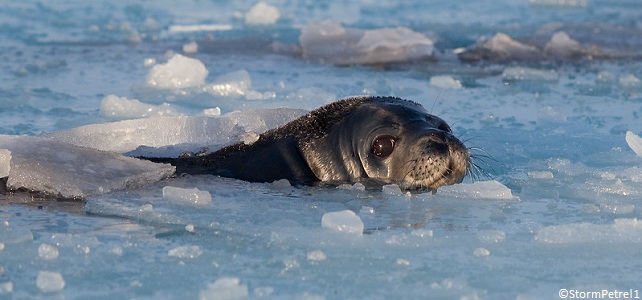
point(382, 146)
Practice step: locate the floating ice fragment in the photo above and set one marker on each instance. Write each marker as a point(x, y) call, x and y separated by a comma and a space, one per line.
point(6, 287)
point(332, 43)
point(179, 72)
point(630, 80)
point(262, 14)
point(422, 232)
point(621, 231)
point(212, 112)
point(50, 281)
point(47, 252)
point(445, 82)
point(121, 108)
point(5, 162)
point(562, 46)
point(402, 262)
point(193, 196)
point(357, 186)
point(501, 47)
point(185, 252)
point(128, 135)
point(233, 85)
point(249, 137)
point(14, 234)
point(226, 288)
point(190, 48)
point(569, 3)
point(522, 73)
point(343, 221)
point(540, 175)
point(478, 190)
point(491, 236)
point(316, 255)
point(635, 142)
point(617, 209)
point(391, 189)
point(481, 252)
point(190, 228)
point(56, 168)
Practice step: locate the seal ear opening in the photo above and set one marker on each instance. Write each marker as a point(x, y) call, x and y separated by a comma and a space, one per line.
point(383, 146)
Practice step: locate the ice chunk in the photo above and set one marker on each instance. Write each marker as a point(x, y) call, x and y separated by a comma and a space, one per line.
point(422, 232)
point(185, 252)
point(50, 281)
point(14, 234)
point(635, 142)
point(522, 73)
point(630, 80)
point(128, 135)
point(481, 252)
point(569, 3)
point(332, 43)
point(262, 14)
point(56, 168)
point(562, 46)
point(121, 108)
point(187, 196)
point(445, 82)
point(540, 174)
point(234, 84)
point(226, 288)
point(501, 47)
point(478, 190)
point(491, 236)
point(6, 287)
point(198, 28)
point(343, 221)
point(47, 252)
point(617, 209)
point(316, 255)
point(5, 162)
point(190, 48)
point(179, 72)
point(621, 231)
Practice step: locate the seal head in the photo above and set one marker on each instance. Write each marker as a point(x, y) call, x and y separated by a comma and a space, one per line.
point(388, 140)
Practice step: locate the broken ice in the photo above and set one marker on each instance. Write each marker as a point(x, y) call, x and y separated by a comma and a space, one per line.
point(343, 221)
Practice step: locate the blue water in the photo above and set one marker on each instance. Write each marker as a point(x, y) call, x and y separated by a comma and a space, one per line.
point(558, 144)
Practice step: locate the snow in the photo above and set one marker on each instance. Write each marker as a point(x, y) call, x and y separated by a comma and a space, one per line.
point(544, 108)
point(262, 14)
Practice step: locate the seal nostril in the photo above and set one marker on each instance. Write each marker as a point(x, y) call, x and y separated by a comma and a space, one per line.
point(437, 147)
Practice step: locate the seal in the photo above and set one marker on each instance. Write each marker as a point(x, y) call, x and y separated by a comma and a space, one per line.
point(372, 140)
